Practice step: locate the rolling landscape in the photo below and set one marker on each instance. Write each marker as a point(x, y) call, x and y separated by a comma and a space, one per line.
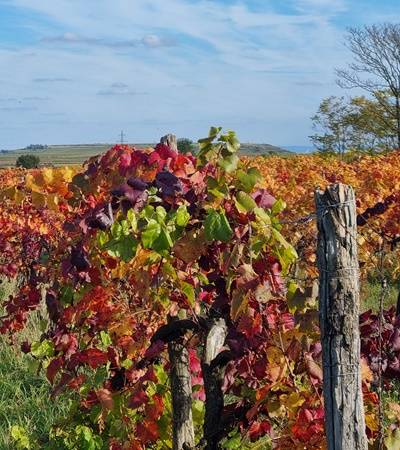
point(60, 155)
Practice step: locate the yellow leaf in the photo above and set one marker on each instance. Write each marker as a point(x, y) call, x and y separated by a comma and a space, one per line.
point(19, 197)
point(392, 441)
point(52, 201)
point(122, 328)
point(275, 408)
point(8, 193)
point(66, 174)
point(294, 400)
point(43, 229)
point(48, 176)
point(38, 199)
point(240, 300)
point(366, 372)
point(373, 425)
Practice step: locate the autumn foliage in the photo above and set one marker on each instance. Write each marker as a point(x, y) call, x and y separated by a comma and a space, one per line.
point(137, 238)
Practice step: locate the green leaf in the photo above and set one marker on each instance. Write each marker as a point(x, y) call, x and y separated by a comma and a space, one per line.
point(182, 216)
point(161, 374)
point(217, 227)
point(247, 180)
point(20, 436)
point(161, 214)
point(42, 349)
point(33, 366)
point(244, 202)
point(125, 227)
point(288, 257)
point(105, 338)
point(262, 215)
point(214, 188)
point(124, 248)
point(86, 440)
point(102, 238)
point(233, 443)
point(163, 241)
point(279, 238)
point(278, 207)
point(169, 271)
point(198, 411)
point(151, 233)
point(116, 230)
point(229, 163)
point(67, 295)
point(214, 131)
point(188, 290)
point(131, 218)
point(148, 212)
point(127, 363)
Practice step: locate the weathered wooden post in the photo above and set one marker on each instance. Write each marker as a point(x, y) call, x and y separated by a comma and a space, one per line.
point(170, 141)
point(339, 318)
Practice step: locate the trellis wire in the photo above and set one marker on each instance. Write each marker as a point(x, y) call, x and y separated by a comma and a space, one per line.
point(383, 293)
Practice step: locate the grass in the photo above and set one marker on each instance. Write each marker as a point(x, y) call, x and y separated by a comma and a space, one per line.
point(24, 394)
point(371, 292)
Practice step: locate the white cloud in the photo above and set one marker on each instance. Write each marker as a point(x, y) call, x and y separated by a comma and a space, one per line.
point(149, 41)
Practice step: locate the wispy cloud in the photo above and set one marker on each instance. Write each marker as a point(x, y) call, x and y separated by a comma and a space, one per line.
point(311, 83)
point(35, 99)
point(18, 108)
point(52, 80)
point(8, 99)
point(149, 41)
point(119, 89)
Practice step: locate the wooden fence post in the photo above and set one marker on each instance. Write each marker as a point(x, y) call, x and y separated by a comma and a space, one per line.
point(170, 141)
point(339, 318)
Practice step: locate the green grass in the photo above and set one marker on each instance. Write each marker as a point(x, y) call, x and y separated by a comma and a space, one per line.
point(371, 293)
point(24, 394)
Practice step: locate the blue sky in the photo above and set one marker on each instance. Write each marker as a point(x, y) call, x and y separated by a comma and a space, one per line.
point(79, 71)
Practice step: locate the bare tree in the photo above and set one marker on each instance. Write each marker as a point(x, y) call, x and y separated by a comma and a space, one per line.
point(376, 65)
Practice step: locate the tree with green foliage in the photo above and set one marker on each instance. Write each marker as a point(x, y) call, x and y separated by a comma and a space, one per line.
point(28, 161)
point(334, 132)
point(355, 123)
point(185, 145)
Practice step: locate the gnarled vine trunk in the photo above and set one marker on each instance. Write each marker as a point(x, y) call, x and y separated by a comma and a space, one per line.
point(213, 376)
point(181, 390)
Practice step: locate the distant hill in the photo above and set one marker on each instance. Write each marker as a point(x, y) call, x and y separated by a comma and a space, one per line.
point(299, 148)
point(262, 149)
point(60, 155)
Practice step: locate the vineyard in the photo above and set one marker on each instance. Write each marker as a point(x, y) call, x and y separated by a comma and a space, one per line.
point(176, 296)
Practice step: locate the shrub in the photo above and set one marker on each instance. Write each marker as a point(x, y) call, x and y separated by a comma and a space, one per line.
point(185, 145)
point(28, 161)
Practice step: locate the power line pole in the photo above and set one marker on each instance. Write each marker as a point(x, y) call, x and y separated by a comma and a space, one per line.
point(122, 136)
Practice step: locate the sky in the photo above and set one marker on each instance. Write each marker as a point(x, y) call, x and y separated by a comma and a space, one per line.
point(80, 71)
